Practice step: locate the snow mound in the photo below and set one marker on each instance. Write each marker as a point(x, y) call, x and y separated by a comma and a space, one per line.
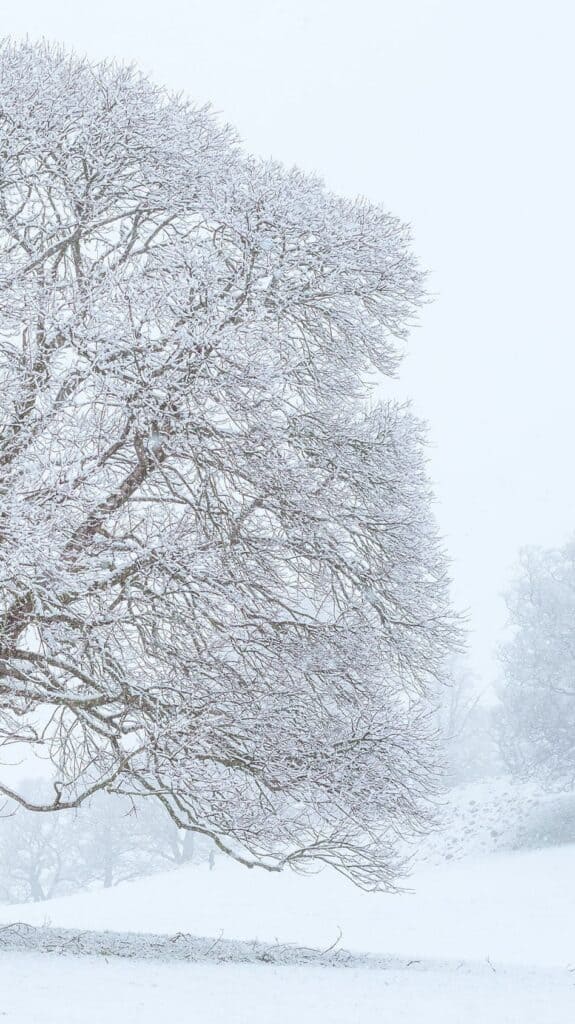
point(499, 816)
point(20, 937)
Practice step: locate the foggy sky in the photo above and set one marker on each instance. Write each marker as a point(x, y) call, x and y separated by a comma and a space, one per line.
point(458, 116)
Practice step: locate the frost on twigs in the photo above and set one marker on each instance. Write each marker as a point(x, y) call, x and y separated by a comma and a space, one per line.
point(20, 937)
point(220, 584)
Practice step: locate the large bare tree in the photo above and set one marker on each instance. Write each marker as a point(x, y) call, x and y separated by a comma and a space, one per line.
point(220, 583)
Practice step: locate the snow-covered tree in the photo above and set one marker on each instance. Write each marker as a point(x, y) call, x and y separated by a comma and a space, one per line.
point(220, 582)
point(537, 714)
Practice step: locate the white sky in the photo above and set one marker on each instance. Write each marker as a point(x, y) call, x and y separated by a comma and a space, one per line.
point(459, 117)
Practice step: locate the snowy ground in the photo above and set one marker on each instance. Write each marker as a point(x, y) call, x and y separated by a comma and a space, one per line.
point(489, 940)
point(40, 989)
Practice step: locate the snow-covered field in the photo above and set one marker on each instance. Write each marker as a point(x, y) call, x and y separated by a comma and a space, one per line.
point(490, 940)
point(45, 990)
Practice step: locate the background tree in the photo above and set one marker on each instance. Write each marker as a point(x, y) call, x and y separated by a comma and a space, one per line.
point(537, 715)
point(467, 726)
point(162, 843)
point(220, 582)
point(107, 840)
point(38, 852)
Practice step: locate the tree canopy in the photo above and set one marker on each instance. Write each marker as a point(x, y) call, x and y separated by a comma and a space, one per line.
point(220, 579)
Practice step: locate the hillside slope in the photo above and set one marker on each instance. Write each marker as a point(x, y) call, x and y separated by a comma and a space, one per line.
point(509, 908)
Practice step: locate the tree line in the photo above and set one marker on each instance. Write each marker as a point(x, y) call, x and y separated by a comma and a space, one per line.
point(109, 839)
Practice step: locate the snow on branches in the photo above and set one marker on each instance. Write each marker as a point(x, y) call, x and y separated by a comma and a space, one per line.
point(220, 583)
